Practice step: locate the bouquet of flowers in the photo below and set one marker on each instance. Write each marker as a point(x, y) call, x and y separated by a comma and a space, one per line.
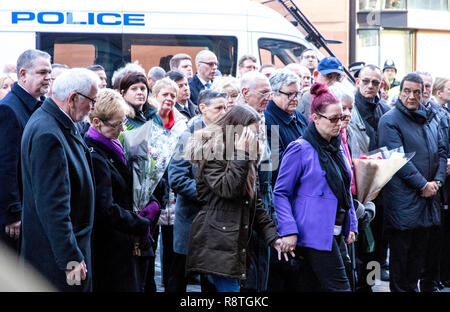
point(148, 150)
point(375, 169)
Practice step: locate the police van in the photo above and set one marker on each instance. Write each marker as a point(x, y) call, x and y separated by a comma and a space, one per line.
point(114, 32)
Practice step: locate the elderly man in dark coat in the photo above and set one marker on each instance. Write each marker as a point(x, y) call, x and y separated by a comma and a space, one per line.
point(34, 73)
point(413, 207)
point(58, 206)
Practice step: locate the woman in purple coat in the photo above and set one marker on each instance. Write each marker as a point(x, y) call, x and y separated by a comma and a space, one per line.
point(312, 197)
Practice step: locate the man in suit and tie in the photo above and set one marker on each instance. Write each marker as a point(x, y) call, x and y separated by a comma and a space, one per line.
point(184, 104)
point(207, 64)
point(34, 76)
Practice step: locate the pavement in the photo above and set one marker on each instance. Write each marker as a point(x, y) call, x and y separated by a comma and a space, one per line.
point(380, 286)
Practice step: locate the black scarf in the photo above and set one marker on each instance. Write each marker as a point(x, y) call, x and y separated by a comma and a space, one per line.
point(420, 115)
point(333, 163)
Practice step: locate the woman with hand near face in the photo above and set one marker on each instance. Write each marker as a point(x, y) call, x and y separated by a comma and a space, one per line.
point(312, 196)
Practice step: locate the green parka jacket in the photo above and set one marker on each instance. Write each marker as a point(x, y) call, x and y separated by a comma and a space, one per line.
point(221, 231)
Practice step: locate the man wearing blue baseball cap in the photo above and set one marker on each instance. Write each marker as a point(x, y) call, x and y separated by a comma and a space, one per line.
point(329, 71)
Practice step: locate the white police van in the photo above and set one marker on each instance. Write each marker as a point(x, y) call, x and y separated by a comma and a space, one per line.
point(114, 32)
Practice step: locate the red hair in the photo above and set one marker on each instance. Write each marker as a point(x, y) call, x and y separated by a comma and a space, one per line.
point(320, 98)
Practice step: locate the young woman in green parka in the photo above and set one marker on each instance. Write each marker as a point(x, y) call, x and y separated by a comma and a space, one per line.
point(226, 154)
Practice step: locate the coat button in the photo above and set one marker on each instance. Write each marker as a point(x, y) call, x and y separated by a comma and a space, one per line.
point(243, 250)
point(246, 202)
point(245, 226)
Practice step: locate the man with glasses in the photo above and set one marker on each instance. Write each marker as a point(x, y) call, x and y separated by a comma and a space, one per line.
point(411, 207)
point(256, 92)
point(34, 77)
point(309, 59)
point(58, 188)
point(207, 64)
point(368, 102)
point(371, 107)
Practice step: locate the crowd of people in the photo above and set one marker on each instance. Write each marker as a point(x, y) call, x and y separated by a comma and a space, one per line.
point(260, 192)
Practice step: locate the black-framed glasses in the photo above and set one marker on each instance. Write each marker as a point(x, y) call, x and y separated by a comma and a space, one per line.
point(291, 95)
point(334, 119)
point(115, 125)
point(90, 99)
point(211, 64)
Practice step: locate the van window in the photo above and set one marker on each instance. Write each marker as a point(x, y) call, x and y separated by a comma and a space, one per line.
point(156, 50)
point(279, 52)
point(112, 51)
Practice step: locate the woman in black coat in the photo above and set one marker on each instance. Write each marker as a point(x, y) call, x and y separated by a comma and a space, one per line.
point(118, 231)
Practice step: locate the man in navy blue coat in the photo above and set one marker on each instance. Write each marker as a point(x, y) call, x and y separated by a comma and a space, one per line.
point(206, 63)
point(34, 73)
point(411, 202)
point(58, 202)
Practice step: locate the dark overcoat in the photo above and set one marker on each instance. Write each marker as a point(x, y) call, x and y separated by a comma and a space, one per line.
point(15, 110)
point(116, 226)
point(418, 132)
point(58, 202)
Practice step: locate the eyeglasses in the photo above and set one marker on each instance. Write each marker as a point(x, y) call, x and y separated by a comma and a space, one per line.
point(265, 95)
point(115, 125)
point(291, 95)
point(375, 83)
point(211, 64)
point(90, 99)
point(334, 119)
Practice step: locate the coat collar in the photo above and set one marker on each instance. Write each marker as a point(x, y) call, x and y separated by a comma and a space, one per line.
point(51, 108)
point(29, 101)
point(281, 115)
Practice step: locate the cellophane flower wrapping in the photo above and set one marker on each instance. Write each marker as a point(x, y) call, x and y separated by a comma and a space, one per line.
point(148, 150)
point(375, 169)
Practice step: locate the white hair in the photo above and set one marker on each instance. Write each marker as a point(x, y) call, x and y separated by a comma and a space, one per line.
point(202, 55)
point(74, 80)
point(339, 90)
point(249, 79)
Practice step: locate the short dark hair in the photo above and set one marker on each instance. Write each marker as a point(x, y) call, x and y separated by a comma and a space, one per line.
point(132, 78)
point(175, 75)
point(208, 95)
point(96, 67)
point(412, 77)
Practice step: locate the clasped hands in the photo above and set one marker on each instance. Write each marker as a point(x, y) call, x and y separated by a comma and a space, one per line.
point(287, 244)
point(430, 189)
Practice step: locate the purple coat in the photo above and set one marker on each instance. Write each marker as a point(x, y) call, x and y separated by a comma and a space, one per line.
point(304, 203)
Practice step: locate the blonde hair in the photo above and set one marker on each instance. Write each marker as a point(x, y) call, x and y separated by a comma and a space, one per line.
point(108, 103)
point(161, 83)
point(439, 85)
point(3, 77)
point(226, 84)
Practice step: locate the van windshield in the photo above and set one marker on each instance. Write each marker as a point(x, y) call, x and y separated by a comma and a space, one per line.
point(279, 52)
point(113, 51)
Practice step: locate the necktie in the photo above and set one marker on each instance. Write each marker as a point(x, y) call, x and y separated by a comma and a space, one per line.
point(207, 85)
